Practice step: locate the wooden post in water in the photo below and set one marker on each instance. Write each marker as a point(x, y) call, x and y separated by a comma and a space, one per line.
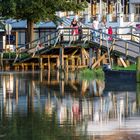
point(33, 66)
point(49, 65)
point(82, 57)
point(90, 57)
point(67, 63)
point(22, 65)
point(138, 69)
point(73, 63)
point(41, 63)
point(57, 63)
point(61, 58)
point(138, 96)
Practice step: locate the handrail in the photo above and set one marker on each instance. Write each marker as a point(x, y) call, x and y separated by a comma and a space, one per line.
point(53, 39)
point(33, 46)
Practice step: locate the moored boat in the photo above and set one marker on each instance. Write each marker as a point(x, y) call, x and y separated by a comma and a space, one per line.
point(127, 76)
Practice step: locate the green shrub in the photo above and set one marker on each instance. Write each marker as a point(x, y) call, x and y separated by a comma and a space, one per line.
point(90, 74)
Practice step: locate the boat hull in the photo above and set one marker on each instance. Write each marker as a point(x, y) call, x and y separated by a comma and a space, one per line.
point(120, 80)
point(126, 76)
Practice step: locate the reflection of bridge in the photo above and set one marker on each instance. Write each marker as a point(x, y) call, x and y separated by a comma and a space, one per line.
point(72, 53)
point(61, 84)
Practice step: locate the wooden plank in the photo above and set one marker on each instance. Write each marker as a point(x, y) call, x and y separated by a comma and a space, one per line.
point(122, 61)
point(99, 60)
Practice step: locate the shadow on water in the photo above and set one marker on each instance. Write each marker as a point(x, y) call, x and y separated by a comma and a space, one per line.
point(49, 105)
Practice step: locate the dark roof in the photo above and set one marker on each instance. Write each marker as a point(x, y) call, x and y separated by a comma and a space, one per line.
point(23, 24)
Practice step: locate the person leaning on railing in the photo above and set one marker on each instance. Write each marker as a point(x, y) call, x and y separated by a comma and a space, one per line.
point(103, 28)
point(110, 32)
point(61, 31)
point(95, 26)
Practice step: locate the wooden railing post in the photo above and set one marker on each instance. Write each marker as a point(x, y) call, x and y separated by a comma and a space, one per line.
point(126, 49)
point(131, 30)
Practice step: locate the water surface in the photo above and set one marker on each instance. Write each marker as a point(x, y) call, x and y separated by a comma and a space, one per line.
point(44, 106)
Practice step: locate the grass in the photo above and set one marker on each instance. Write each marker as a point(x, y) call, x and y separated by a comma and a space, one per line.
point(90, 74)
point(131, 67)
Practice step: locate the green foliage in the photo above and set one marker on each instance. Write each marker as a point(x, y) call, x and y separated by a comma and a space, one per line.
point(91, 74)
point(8, 8)
point(38, 10)
point(131, 67)
point(8, 55)
point(12, 55)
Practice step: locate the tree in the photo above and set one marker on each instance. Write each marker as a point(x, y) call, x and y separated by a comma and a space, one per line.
point(37, 10)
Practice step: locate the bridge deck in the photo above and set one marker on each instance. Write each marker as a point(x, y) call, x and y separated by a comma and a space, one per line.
point(50, 45)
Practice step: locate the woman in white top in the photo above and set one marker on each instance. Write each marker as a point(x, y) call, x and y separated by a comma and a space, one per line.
point(95, 26)
point(103, 27)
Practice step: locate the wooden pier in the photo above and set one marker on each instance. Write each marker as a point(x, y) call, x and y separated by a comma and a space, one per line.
point(51, 53)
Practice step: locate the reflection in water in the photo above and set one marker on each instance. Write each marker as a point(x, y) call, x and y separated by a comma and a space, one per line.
point(42, 106)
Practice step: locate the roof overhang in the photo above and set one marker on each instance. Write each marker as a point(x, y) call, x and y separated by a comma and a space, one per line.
point(134, 1)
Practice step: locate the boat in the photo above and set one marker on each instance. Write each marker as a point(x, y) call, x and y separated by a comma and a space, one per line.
point(126, 76)
point(119, 80)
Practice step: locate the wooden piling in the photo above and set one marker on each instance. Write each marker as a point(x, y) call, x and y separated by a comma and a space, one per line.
point(57, 62)
point(138, 96)
point(82, 57)
point(90, 57)
point(41, 63)
point(33, 66)
point(66, 63)
point(138, 69)
point(61, 58)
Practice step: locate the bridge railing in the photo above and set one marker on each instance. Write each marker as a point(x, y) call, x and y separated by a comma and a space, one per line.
point(35, 46)
point(127, 33)
point(124, 48)
point(101, 38)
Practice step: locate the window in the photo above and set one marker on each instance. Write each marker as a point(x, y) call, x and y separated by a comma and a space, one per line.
point(137, 9)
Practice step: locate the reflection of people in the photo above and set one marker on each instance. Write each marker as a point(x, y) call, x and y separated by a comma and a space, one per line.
point(61, 31)
point(75, 110)
point(95, 26)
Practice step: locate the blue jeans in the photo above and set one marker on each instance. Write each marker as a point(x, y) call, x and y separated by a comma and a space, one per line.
point(94, 35)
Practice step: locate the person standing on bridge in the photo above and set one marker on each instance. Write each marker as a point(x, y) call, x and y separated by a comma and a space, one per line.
point(80, 31)
point(76, 17)
point(110, 32)
point(103, 28)
point(61, 31)
point(95, 27)
point(74, 25)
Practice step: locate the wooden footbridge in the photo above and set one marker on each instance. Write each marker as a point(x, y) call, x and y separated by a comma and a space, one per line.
point(71, 53)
